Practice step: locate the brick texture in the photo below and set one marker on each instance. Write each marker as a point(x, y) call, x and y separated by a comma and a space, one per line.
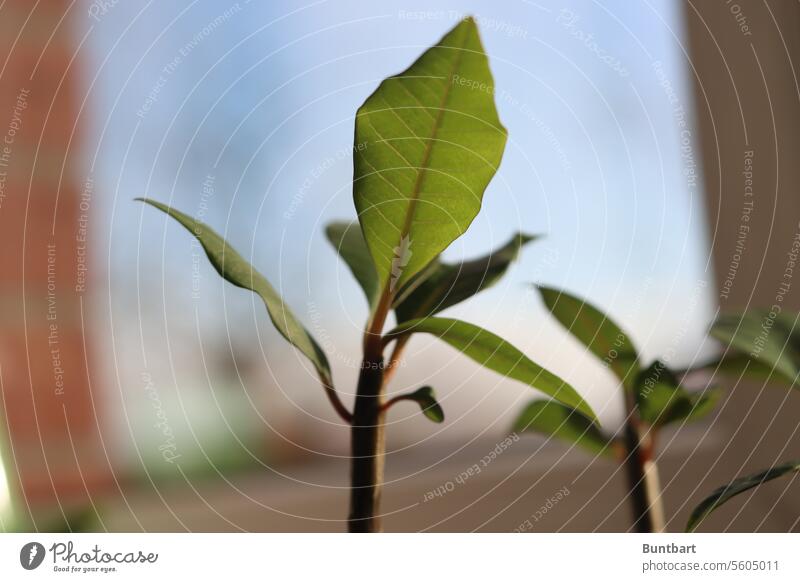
point(55, 457)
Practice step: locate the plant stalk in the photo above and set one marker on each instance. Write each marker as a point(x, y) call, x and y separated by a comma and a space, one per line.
point(367, 433)
point(368, 446)
point(642, 472)
point(394, 360)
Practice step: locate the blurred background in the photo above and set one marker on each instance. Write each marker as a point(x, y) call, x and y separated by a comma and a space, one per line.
point(143, 393)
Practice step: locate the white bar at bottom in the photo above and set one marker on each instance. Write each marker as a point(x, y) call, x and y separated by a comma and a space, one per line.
point(389, 557)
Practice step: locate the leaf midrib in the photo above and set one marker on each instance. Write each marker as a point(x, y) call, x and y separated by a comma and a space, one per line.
point(412, 207)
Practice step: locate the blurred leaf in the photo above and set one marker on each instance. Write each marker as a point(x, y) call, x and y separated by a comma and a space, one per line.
point(496, 354)
point(427, 143)
point(735, 364)
point(235, 269)
point(597, 331)
point(347, 239)
point(426, 398)
point(701, 404)
point(740, 485)
point(567, 424)
point(449, 284)
point(662, 400)
point(771, 342)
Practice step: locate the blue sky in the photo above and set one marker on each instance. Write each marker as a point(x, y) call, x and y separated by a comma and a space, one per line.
point(257, 99)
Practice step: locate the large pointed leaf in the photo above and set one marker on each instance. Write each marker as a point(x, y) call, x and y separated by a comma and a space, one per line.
point(734, 488)
point(598, 332)
point(235, 269)
point(426, 398)
point(432, 141)
point(772, 342)
point(662, 400)
point(497, 354)
point(347, 239)
point(449, 284)
point(564, 423)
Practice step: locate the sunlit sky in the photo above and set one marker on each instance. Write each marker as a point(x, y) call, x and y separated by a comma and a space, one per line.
point(252, 98)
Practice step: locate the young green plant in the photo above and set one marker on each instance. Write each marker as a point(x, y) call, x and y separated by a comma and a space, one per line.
point(763, 345)
point(430, 142)
point(653, 397)
point(759, 344)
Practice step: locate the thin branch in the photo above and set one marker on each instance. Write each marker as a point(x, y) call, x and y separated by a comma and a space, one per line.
point(394, 361)
point(333, 397)
point(388, 404)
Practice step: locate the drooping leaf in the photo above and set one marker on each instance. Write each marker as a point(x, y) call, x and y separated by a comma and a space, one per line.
point(449, 284)
point(598, 332)
point(497, 354)
point(662, 400)
point(734, 488)
point(771, 341)
point(428, 142)
point(426, 398)
point(347, 239)
point(235, 269)
point(736, 364)
point(567, 424)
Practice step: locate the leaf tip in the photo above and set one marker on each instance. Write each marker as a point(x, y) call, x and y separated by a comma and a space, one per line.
point(426, 398)
point(545, 291)
point(149, 201)
point(526, 237)
point(584, 407)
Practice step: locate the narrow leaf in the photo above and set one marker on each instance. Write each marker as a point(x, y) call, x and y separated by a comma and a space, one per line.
point(429, 142)
point(771, 341)
point(426, 398)
point(662, 400)
point(596, 330)
point(496, 354)
point(737, 364)
point(449, 284)
point(564, 423)
point(235, 269)
point(347, 239)
point(734, 488)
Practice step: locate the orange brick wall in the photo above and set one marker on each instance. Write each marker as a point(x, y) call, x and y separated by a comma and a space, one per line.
point(47, 396)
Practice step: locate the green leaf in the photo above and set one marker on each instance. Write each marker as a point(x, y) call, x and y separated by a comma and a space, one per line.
point(449, 284)
point(347, 239)
point(428, 141)
point(496, 354)
point(734, 488)
point(598, 332)
point(662, 400)
point(736, 364)
point(438, 286)
point(426, 398)
point(564, 423)
point(235, 269)
point(771, 341)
